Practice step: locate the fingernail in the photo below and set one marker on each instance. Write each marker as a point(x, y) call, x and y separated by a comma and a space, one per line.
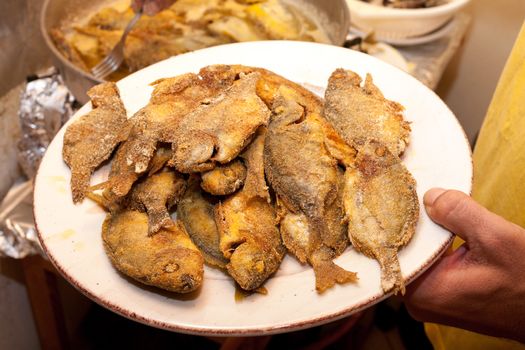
point(431, 195)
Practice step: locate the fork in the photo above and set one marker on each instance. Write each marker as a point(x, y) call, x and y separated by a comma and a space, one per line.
point(114, 59)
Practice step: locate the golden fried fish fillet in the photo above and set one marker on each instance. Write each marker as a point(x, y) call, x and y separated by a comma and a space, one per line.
point(224, 179)
point(267, 87)
point(335, 145)
point(271, 86)
point(307, 180)
point(382, 206)
point(247, 224)
point(171, 100)
point(218, 131)
point(155, 195)
point(197, 212)
point(299, 239)
point(122, 177)
point(168, 259)
point(362, 113)
point(90, 140)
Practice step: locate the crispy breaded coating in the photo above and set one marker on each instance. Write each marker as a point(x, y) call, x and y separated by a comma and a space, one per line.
point(155, 195)
point(171, 100)
point(168, 259)
point(196, 211)
point(382, 206)
point(247, 225)
point(271, 86)
point(122, 177)
point(90, 139)
point(268, 85)
point(380, 196)
point(360, 113)
point(224, 179)
point(307, 181)
point(217, 132)
point(162, 155)
point(271, 168)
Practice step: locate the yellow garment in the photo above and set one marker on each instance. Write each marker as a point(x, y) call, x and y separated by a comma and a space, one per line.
point(499, 180)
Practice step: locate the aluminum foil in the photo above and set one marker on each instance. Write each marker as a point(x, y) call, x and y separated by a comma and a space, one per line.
point(18, 237)
point(45, 105)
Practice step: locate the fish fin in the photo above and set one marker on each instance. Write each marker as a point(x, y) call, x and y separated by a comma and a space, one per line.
point(327, 274)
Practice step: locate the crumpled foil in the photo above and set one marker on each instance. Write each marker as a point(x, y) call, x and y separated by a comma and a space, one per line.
point(45, 105)
point(18, 237)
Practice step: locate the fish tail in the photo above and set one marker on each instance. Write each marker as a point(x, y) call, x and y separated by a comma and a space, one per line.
point(391, 277)
point(327, 274)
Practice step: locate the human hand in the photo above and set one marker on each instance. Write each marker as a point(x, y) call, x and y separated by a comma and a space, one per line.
point(481, 285)
point(151, 7)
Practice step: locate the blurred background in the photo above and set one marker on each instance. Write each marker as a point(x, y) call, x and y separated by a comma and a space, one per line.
point(466, 84)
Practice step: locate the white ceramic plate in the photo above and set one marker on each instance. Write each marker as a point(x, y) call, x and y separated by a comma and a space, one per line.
point(439, 155)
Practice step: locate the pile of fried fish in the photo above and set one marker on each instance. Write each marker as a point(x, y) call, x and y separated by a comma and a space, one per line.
point(255, 166)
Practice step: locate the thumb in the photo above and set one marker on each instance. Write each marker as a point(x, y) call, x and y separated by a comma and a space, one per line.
point(460, 214)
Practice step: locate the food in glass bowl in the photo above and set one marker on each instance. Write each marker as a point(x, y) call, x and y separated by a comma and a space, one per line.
point(185, 26)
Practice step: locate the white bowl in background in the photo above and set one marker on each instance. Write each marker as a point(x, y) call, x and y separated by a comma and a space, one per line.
point(396, 23)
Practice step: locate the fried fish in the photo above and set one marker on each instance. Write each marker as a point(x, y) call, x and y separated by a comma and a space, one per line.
point(171, 100)
point(168, 259)
point(155, 195)
point(196, 211)
point(333, 168)
point(360, 113)
point(381, 202)
point(224, 179)
point(91, 139)
point(267, 87)
point(380, 196)
point(307, 182)
point(218, 131)
point(247, 223)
